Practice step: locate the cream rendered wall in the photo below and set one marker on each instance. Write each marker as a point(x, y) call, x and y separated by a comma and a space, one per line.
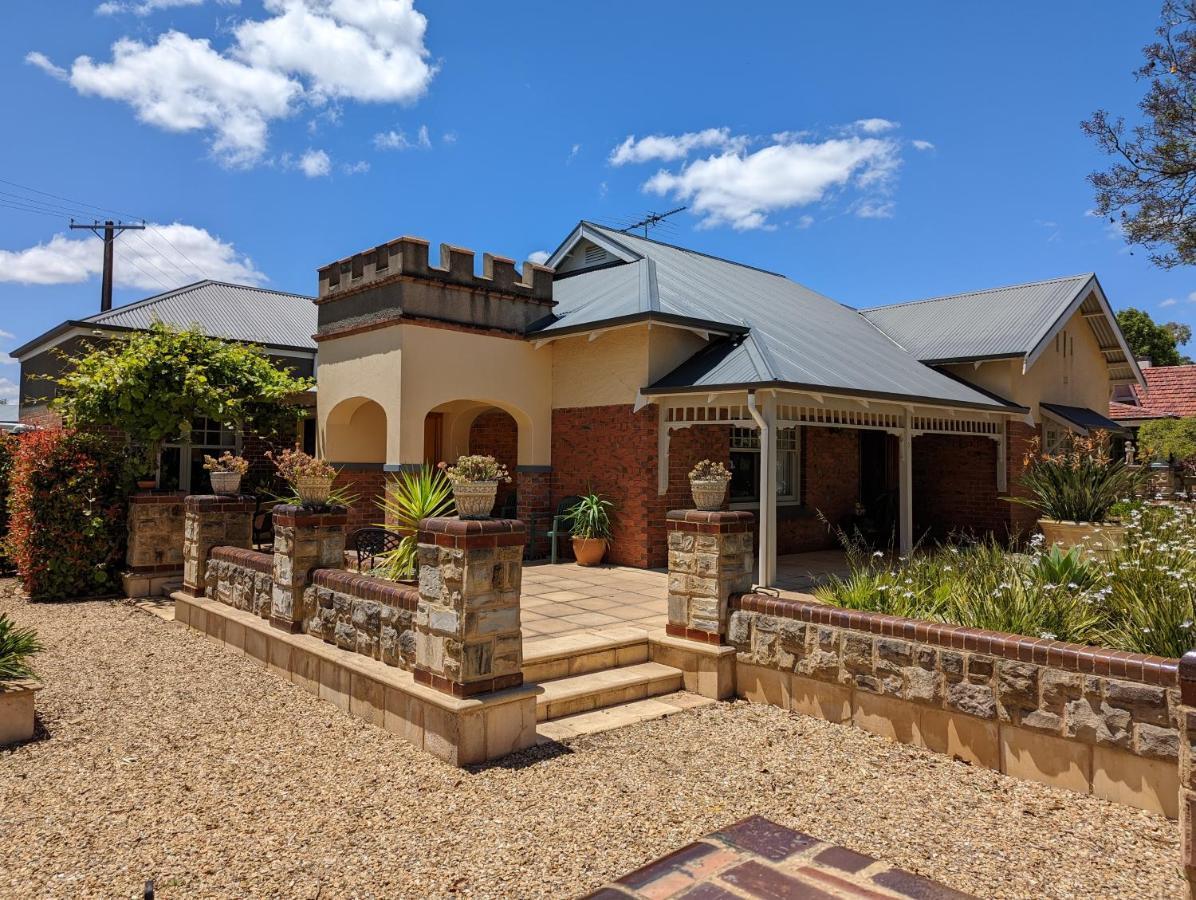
point(365, 365)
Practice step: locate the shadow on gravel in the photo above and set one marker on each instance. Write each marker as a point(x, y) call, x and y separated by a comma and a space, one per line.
point(40, 733)
point(525, 759)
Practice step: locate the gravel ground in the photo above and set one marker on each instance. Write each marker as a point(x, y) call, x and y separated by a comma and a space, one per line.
point(164, 756)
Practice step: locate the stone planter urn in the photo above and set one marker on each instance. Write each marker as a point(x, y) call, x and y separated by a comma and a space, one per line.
point(313, 490)
point(1095, 539)
point(16, 711)
point(708, 494)
point(589, 551)
point(474, 499)
point(225, 482)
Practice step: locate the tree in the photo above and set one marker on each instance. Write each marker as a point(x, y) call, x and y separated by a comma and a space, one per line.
point(153, 384)
point(1166, 439)
point(1150, 191)
point(1155, 342)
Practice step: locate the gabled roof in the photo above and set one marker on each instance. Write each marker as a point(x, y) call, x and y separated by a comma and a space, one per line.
point(1005, 323)
point(795, 336)
point(1170, 391)
point(1080, 418)
point(1127, 412)
point(235, 312)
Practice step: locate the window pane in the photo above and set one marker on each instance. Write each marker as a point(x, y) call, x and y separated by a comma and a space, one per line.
point(745, 476)
point(785, 468)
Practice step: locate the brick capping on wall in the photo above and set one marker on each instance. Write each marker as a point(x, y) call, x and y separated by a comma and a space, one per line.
point(1153, 670)
point(220, 503)
point(298, 515)
point(160, 497)
point(366, 587)
point(450, 531)
point(710, 522)
point(249, 559)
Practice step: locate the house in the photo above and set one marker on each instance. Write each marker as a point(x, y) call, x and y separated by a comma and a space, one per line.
point(625, 360)
point(282, 323)
point(1170, 393)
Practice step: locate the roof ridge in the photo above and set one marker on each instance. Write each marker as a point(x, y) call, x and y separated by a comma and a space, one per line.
point(730, 262)
point(96, 318)
point(1007, 287)
point(254, 287)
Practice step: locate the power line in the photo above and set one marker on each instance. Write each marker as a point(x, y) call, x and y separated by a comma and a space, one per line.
point(110, 231)
point(159, 254)
point(160, 233)
point(26, 187)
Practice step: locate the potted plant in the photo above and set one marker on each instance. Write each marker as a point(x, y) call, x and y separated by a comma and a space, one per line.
point(309, 477)
point(17, 681)
point(1074, 489)
point(409, 499)
point(708, 483)
point(475, 484)
point(225, 472)
point(589, 524)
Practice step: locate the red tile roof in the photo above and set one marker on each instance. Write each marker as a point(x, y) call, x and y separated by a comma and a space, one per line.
point(1171, 391)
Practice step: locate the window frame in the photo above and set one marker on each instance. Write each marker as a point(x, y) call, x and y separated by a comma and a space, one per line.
point(746, 440)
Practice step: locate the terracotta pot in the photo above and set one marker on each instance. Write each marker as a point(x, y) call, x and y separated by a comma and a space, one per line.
point(313, 490)
point(225, 482)
point(1093, 538)
point(589, 551)
point(475, 499)
point(708, 494)
point(147, 484)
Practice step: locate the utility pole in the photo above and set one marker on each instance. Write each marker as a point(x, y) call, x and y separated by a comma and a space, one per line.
point(110, 231)
point(652, 219)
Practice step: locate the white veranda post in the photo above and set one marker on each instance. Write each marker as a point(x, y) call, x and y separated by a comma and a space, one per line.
point(765, 415)
point(905, 503)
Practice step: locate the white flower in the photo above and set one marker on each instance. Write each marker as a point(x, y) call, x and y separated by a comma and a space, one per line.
point(1186, 623)
point(1049, 636)
point(878, 554)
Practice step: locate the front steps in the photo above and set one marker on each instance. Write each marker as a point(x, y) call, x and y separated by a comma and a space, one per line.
point(594, 682)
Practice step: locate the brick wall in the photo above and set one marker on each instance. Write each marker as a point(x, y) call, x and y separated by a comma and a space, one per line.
point(368, 484)
point(955, 487)
point(1020, 437)
point(534, 492)
point(496, 434)
point(830, 484)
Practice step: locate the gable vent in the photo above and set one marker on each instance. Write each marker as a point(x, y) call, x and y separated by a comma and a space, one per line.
point(595, 255)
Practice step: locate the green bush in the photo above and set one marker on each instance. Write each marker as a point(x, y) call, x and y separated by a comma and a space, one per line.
point(17, 645)
point(409, 499)
point(1079, 482)
point(68, 501)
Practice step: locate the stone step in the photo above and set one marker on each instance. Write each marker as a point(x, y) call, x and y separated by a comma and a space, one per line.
point(577, 654)
point(619, 716)
point(595, 690)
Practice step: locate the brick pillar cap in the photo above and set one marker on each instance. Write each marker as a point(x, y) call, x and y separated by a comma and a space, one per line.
point(220, 502)
point(458, 527)
point(1187, 678)
point(157, 497)
point(302, 515)
point(711, 517)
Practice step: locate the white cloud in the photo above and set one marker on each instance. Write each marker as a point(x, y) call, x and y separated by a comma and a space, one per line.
point(874, 126)
point(740, 189)
point(8, 390)
point(6, 335)
point(315, 164)
point(43, 62)
point(573, 151)
point(358, 168)
point(923, 145)
point(398, 140)
point(669, 147)
point(450, 137)
point(539, 257)
point(305, 51)
point(1170, 301)
point(163, 256)
point(6, 360)
point(146, 7)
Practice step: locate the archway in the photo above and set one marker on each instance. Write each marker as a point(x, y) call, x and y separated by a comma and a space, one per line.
point(476, 428)
point(355, 432)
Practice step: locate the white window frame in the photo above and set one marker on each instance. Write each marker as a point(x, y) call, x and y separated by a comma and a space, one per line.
point(747, 440)
point(185, 445)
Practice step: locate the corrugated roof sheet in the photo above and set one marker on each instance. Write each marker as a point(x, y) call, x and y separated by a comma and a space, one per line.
point(1171, 390)
point(232, 311)
point(1082, 417)
point(1008, 321)
point(798, 335)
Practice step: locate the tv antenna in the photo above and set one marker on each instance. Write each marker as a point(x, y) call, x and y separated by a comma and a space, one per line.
point(651, 220)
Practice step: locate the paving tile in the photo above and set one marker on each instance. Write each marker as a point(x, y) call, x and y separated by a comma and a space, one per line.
point(767, 883)
point(590, 619)
point(842, 858)
point(764, 838)
point(910, 885)
point(666, 865)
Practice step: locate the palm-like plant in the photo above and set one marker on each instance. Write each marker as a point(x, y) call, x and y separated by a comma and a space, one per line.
point(1080, 483)
point(408, 499)
point(590, 518)
point(16, 646)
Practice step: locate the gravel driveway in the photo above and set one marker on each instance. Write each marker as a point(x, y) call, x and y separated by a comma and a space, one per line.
point(167, 757)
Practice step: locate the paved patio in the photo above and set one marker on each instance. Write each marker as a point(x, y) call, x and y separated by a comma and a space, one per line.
point(567, 598)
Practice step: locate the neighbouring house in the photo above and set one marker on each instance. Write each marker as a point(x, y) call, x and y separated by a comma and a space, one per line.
point(1169, 393)
point(282, 323)
point(623, 361)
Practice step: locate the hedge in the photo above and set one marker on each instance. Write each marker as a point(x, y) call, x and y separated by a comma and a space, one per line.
point(8, 448)
point(67, 503)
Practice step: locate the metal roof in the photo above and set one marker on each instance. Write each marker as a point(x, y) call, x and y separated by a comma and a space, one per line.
point(231, 311)
point(797, 336)
point(1081, 417)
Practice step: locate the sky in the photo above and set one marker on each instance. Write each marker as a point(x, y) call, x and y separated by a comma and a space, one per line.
point(873, 151)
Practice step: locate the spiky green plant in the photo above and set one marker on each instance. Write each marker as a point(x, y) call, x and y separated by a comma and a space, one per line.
point(17, 645)
point(1079, 482)
point(590, 518)
point(408, 499)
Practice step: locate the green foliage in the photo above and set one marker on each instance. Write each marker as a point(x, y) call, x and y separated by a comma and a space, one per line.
point(68, 503)
point(590, 518)
point(410, 498)
point(17, 645)
point(8, 449)
point(1148, 339)
point(1140, 599)
point(1166, 439)
point(1080, 483)
point(153, 384)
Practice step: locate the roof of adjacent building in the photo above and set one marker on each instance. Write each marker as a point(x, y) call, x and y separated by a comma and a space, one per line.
point(1170, 391)
point(1081, 417)
point(776, 331)
point(235, 312)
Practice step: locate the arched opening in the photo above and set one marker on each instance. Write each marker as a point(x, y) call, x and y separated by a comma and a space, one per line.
point(471, 427)
point(355, 432)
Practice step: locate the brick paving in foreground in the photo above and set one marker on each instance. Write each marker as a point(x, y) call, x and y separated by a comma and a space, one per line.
point(761, 860)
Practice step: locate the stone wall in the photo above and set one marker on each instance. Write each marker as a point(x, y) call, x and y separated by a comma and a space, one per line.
point(366, 615)
point(710, 559)
point(241, 578)
point(1083, 718)
point(156, 524)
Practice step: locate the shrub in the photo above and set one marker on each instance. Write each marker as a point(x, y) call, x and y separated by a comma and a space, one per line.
point(69, 496)
point(708, 470)
point(589, 519)
point(8, 448)
point(410, 498)
point(17, 645)
point(226, 462)
point(474, 469)
point(1166, 439)
point(1079, 483)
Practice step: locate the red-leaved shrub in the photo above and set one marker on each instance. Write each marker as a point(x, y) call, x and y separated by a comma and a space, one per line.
point(8, 448)
point(68, 500)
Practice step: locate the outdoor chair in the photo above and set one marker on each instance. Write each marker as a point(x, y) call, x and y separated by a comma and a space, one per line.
point(263, 523)
point(559, 528)
point(372, 542)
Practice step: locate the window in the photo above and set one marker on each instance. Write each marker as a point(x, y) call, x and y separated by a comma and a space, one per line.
point(745, 465)
point(181, 463)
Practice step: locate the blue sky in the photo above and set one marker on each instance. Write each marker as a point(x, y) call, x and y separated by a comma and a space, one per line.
point(875, 152)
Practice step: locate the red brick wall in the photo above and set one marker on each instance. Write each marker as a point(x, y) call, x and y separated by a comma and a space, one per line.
point(534, 492)
point(830, 482)
point(496, 434)
point(1021, 436)
point(369, 485)
point(955, 487)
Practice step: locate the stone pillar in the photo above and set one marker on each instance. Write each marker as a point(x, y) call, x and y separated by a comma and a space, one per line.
point(467, 638)
point(304, 540)
point(155, 550)
point(1187, 769)
point(710, 558)
point(213, 520)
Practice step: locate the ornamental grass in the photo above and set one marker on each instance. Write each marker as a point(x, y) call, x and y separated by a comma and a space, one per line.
point(1141, 598)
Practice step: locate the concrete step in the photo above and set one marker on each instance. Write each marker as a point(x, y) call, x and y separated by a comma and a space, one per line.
point(577, 654)
point(619, 716)
point(595, 690)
